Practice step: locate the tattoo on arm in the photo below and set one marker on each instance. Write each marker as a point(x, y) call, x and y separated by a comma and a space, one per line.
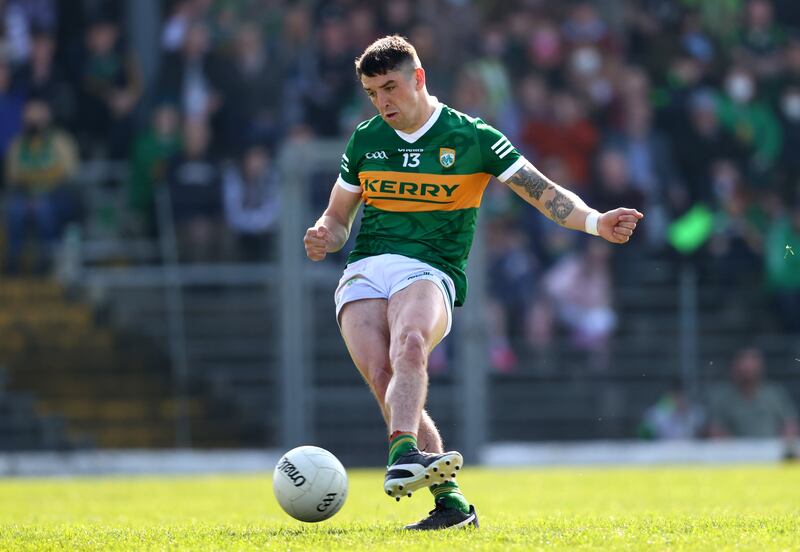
point(560, 207)
point(535, 185)
point(529, 179)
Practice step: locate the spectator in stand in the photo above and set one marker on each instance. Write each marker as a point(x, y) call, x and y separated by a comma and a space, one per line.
point(152, 151)
point(225, 24)
point(789, 164)
point(649, 161)
point(584, 27)
point(39, 14)
point(364, 31)
point(723, 20)
point(511, 269)
point(685, 79)
point(673, 416)
point(759, 45)
point(591, 74)
point(110, 87)
point(544, 50)
point(11, 102)
point(578, 295)
point(184, 14)
point(40, 77)
point(695, 40)
point(750, 119)
point(790, 75)
point(613, 185)
point(634, 87)
point(532, 108)
point(492, 72)
point(568, 135)
point(735, 245)
point(439, 69)
point(191, 77)
point(252, 110)
point(398, 16)
point(701, 146)
point(330, 85)
point(749, 406)
point(782, 258)
point(14, 31)
point(20, 20)
point(252, 203)
point(39, 164)
point(196, 196)
point(650, 28)
point(294, 54)
point(470, 95)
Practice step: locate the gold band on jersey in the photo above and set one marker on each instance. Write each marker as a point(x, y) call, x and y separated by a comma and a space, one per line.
point(415, 192)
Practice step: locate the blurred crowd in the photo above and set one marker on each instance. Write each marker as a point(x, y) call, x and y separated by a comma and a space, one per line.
point(747, 405)
point(684, 109)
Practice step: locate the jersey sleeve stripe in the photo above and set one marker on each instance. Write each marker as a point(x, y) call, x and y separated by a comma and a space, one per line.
point(510, 171)
point(349, 187)
point(499, 143)
point(507, 145)
point(506, 150)
point(344, 156)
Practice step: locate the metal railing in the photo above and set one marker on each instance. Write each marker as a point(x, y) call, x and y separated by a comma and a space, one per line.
point(173, 297)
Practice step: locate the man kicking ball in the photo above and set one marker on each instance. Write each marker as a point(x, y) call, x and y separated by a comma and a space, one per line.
point(420, 168)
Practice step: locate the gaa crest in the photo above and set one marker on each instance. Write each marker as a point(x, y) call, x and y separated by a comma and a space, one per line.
point(447, 157)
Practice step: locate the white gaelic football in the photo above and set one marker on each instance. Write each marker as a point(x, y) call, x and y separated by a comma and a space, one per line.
point(310, 483)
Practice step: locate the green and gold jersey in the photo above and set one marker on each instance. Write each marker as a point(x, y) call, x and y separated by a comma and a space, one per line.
point(422, 191)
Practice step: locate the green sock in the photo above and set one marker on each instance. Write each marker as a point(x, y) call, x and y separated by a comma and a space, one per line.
point(449, 493)
point(400, 442)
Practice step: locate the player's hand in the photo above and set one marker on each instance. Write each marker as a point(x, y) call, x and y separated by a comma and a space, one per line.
point(618, 225)
point(316, 241)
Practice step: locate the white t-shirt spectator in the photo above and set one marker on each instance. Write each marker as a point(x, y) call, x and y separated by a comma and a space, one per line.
point(250, 207)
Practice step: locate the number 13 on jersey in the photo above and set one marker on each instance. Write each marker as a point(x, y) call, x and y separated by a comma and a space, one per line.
point(411, 160)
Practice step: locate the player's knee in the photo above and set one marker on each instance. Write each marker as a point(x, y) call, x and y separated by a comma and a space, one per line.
point(409, 349)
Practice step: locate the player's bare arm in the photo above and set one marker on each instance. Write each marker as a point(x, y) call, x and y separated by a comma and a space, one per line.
point(330, 232)
point(567, 209)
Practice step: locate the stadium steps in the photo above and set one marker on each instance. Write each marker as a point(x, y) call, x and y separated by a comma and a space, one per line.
point(23, 428)
point(104, 384)
point(231, 352)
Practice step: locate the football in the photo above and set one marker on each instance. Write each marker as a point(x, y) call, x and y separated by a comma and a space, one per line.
point(310, 483)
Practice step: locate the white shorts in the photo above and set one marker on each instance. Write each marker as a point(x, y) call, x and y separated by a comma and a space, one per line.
point(381, 276)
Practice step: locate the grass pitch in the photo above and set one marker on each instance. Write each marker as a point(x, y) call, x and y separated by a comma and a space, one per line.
point(743, 508)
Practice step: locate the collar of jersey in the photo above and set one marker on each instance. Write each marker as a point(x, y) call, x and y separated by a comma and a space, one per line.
point(416, 135)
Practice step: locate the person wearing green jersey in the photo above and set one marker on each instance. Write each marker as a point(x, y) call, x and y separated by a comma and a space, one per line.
point(420, 168)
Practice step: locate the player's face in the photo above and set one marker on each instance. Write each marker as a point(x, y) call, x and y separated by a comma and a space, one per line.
point(396, 96)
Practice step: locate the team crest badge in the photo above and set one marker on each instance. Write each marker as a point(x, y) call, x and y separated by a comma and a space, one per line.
point(447, 157)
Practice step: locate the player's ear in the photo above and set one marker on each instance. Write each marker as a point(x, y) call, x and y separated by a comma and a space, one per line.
point(419, 78)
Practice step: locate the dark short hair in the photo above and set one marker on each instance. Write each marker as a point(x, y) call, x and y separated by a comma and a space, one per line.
point(384, 55)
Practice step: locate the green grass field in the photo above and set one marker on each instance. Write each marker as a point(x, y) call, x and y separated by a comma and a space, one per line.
point(752, 508)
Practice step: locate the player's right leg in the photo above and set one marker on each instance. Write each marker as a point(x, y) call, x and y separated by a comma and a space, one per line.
point(363, 316)
point(365, 330)
point(418, 315)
